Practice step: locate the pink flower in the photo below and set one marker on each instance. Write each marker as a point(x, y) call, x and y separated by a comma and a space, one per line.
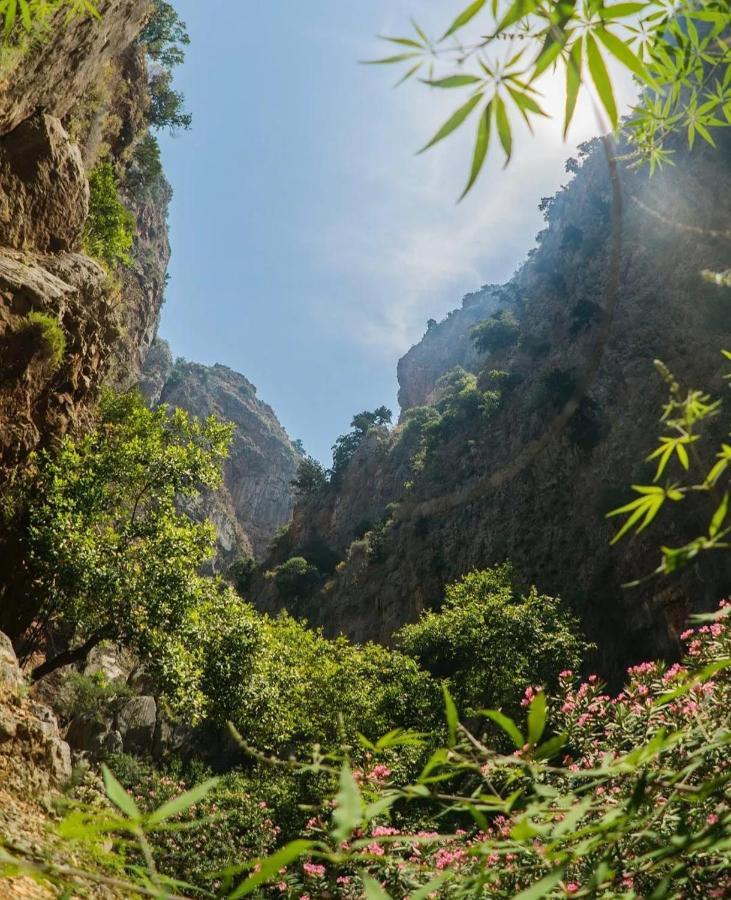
point(572, 887)
point(712, 819)
point(375, 849)
point(314, 870)
point(686, 634)
point(381, 772)
point(343, 879)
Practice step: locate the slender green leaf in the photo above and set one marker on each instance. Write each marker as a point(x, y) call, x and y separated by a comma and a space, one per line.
point(573, 83)
point(373, 890)
point(537, 713)
point(453, 81)
point(180, 804)
point(507, 725)
point(454, 121)
point(269, 867)
point(464, 17)
point(348, 812)
point(622, 52)
point(450, 711)
point(719, 517)
point(600, 77)
point(482, 142)
point(119, 797)
point(542, 888)
point(503, 128)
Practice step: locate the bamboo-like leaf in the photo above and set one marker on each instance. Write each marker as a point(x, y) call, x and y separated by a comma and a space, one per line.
point(542, 888)
point(454, 121)
point(621, 51)
point(348, 812)
point(519, 10)
point(573, 83)
point(719, 517)
point(409, 74)
point(503, 128)
point(507, 725)
point(482, 143)
point(537, 713)
point(464, 17)
point(450, 711)
point(405, 42)
point(621, 10)
point(179, 804)
point(270, 866)
point(452, 81)
point(600, 77)
point(388, 60)
point(373, 890)
point(119, 797)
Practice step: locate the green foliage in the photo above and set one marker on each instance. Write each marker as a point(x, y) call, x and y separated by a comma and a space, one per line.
point(145, 170)
point(584, 315)
point(49, 335)
point(164, 36)
point(346, 445)
point(311, 477)
point(106, 549)
point(240, 573)
point(109, 230)
point(296, 578)
point(500, 332)
point(684, 417)
point(91, 697)
point(167, 106)
point(27, 15)
point(488, 641)
point(497, 53)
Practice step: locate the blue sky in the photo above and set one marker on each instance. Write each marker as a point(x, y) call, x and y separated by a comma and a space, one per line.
point(310, 244)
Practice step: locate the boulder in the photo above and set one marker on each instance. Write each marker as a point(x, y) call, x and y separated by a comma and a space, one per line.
point(10, 674)
point(58, 759)
point(136, 723)
point(44, 193)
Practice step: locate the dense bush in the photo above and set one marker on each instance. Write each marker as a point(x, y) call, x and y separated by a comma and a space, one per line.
point(296, 578)
point(488, 640)
point(49, 336)
point(240, 573)
point(500, 332)
point(628, 797)
point(145, 170)
point(109, 230)
point(106, 551)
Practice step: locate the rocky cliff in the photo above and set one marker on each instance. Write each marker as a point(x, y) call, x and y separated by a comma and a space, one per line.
point(462, 506)
point(257, 498)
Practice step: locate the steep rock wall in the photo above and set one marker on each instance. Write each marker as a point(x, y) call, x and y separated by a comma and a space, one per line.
point(549, 518)
point(257, 497)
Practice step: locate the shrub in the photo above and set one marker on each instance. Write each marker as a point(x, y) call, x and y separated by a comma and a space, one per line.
point(165, 36)
point(91, 697)
point(584, 315)
point(146, 168)
point(488, 641)
point(500, 332)
point(240, 573)
point(49, 336)
point(296, 578)
point(109, 230)
point(311, 477)
point(106, 552)
point(167, 106)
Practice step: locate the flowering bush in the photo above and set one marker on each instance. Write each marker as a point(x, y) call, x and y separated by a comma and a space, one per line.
point(627, 797)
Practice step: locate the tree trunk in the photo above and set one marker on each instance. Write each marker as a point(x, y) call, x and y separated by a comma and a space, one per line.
point(78, 654)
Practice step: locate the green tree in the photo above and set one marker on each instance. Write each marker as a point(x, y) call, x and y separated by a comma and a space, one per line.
point(109, 230)
point(311, 477)
point(296, 578)
point(346, 445)
point(105, 547)
point(165, 35)
point(500, 332)
point(167, 106)
point(488, 641)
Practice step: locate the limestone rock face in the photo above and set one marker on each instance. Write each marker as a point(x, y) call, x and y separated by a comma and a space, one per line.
point(44, 193)
point(469, 507)
point(33, 756)
point(257, 497)
point(59, 70)
point(445, 345)
point(136, 724)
